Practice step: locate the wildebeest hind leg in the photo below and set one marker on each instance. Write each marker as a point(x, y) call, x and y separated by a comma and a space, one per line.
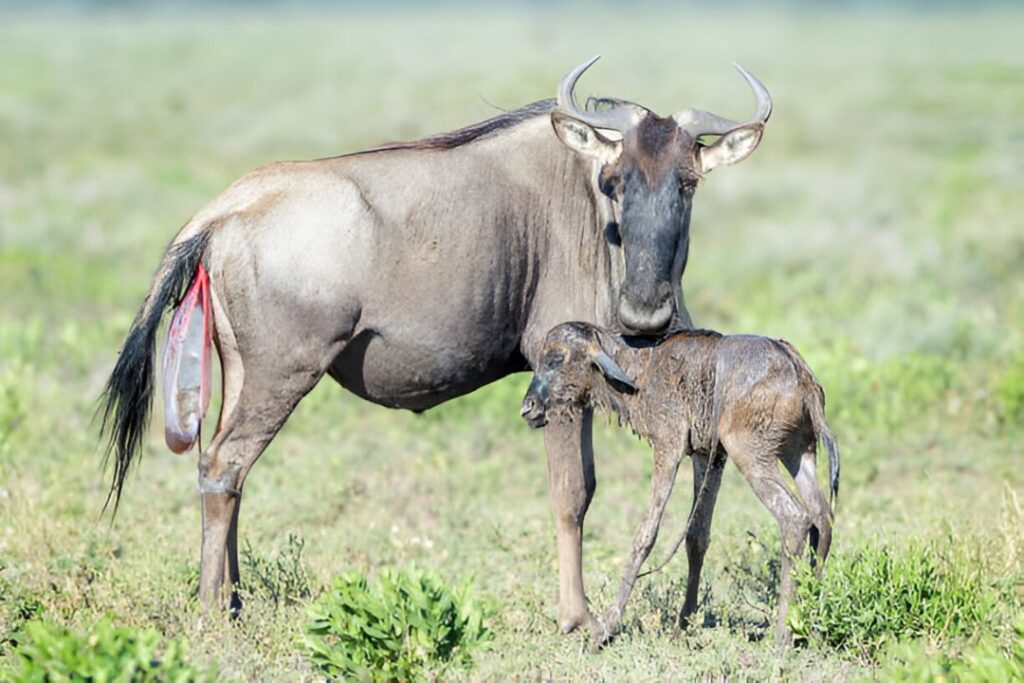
point(223, 467)
point(262, 385)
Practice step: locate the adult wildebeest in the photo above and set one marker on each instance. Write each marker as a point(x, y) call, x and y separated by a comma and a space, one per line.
point(417, 272)
point(711, 396)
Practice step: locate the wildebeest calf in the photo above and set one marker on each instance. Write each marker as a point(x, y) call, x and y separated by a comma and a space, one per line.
point(707, 395)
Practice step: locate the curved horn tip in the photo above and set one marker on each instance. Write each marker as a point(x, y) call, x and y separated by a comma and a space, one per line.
point(764, 98)
point(574, 75)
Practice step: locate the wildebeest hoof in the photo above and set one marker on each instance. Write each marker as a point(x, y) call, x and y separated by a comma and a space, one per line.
point(235, 606)
point(783, 640)
point(570, 623)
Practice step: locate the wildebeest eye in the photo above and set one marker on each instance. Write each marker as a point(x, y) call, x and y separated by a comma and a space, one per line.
point(687, 184)
point(612, 234)
point(610, 184)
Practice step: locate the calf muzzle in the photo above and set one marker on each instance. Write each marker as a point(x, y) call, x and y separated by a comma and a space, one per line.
point(534, 407)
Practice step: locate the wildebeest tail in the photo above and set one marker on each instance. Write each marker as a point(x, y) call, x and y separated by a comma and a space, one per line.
point(814, 403)
point(128, 395)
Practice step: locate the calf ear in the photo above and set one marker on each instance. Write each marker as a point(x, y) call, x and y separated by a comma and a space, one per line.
point(583, 138)
point(731, 148)
point(611, 370)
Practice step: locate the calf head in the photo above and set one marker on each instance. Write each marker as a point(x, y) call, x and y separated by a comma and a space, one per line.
point(649, 171)
point(574, 367)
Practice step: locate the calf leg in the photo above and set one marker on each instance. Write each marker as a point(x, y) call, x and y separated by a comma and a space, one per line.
point(707, 476)
point(759, 465)
point(571, 483)
point(801, 465)
point(666, 464)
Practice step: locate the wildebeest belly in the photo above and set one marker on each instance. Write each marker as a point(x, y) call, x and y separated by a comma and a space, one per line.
point(414, 372)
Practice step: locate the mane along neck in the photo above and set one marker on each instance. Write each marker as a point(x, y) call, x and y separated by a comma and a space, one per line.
point(475, 131)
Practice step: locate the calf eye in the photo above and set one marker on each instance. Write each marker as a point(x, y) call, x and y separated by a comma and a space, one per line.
point(554, 359)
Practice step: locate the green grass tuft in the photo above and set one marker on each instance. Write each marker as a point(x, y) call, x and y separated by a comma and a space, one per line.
point(104, 652)
point(879, 595)
point(401, 626)
point(988, 661)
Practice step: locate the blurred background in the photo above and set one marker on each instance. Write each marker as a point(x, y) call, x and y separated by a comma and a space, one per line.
point(878, 227)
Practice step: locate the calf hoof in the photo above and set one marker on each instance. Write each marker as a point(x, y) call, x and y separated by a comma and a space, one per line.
point(603, 632)
point(598, 639)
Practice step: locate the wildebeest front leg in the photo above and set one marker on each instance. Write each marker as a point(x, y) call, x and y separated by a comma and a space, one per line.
point(706, 481)
point(666, 464)
point(572, 483)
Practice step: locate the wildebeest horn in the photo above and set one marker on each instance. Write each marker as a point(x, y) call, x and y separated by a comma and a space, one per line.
point(612, 370)
point(698, 123)
point(619, 118)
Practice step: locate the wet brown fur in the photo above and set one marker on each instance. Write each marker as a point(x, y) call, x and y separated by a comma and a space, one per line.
point(711, 396)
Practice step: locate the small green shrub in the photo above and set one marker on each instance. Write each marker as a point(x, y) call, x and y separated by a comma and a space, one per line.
point(51, 652)
point(986, 661)
point(880, 595)
point(282, 580)
point(401, 626)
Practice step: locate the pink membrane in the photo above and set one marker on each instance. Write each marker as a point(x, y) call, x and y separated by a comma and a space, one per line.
point(187, 366)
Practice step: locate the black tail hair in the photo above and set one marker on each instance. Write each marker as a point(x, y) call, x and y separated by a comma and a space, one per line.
point(128, 396)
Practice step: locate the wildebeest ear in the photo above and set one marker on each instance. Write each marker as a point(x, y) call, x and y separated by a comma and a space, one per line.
point(583, 138)
point(731, 148)
point(612, 371)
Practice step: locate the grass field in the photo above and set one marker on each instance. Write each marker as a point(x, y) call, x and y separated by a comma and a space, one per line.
point(879, 227)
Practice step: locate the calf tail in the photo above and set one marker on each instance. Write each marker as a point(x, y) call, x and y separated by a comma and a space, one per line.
point(814, 403)
point(833, 467)
point(128, 395)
